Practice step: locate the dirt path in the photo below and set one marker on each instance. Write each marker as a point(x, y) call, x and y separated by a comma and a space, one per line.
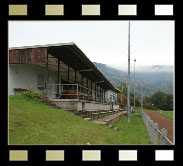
point(163, 122)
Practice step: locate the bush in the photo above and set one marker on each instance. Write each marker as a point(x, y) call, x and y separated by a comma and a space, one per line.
point(32, 95)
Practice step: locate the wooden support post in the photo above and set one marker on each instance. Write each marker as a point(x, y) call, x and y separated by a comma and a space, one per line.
point(100, 93)
point(47, 76)
point(68, 74)
point(87, 87)
point(75, 76)
point(82, 80)
point(104, 96)
point(87, 82)
point(77, 91)
point(58, 76)
point(95, 92)
point(82, 90)
point(91, 90)
point(75, 80)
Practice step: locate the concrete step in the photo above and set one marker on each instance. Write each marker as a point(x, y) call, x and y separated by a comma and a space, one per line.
point(109, 119)
point(79, 113)
point(83, 116)
point(47, 101)
point(50, 104)
point(56, 107)
point(87, 119)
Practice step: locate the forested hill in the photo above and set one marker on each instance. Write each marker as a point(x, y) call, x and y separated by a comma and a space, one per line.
point(156, 78)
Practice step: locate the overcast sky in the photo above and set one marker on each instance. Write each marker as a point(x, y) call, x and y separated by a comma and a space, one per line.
point(152, 42)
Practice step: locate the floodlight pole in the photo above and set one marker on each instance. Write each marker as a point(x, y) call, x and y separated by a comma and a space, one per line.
point(134, 83)
point(128, 99)
point(142, 87)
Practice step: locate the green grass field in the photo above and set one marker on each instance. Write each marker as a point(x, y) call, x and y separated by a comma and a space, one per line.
point(168, 114)
point(133, 135)
point(33, 122)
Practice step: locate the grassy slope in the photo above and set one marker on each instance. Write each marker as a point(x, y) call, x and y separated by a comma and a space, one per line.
point(133, 135)
point(168, 114)
point(35, 123)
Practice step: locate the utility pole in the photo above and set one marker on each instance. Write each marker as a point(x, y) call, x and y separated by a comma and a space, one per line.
point(128, 99)
point(134, 83)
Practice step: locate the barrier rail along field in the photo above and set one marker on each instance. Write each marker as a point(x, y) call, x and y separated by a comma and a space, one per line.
point(153, 131)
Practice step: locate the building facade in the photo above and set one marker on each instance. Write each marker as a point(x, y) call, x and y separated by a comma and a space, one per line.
point(59, 71)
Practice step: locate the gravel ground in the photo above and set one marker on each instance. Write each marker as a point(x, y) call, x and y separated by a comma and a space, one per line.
point(163, 122)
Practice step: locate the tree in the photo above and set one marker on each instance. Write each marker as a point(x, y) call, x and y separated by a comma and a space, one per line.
point(162, 100)
point(124, 97)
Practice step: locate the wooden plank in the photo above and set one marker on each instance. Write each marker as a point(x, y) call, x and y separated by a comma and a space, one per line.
point(28, 56)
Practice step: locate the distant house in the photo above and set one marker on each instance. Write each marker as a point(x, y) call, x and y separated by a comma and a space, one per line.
point(62, 71)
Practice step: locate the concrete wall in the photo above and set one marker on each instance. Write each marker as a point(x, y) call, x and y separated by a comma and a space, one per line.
point(81, 105)
point(100, 106)
point(26, 75)
point(116, 106)
point(69, 105)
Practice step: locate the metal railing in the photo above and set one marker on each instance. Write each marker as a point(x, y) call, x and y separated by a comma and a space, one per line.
point(75, 91)
point(157, 137)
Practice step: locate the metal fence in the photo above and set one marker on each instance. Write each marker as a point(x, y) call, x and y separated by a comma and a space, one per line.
point(76, 91)
point(157, 137)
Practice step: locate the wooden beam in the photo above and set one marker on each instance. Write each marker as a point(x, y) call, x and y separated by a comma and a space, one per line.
point(97, 82)
point(85, 70)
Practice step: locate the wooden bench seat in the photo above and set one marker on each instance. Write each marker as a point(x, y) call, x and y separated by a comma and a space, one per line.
point(103, 113)
point(115, 111)
point(96, 114)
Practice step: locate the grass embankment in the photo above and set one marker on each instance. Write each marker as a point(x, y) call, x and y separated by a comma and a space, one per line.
point(33, 122)
point(133, 132)
point(168, 114)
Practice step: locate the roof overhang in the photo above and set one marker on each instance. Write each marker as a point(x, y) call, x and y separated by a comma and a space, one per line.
point(71, 55)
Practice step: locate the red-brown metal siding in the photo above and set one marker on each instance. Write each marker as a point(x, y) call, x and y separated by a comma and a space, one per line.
point(30, 56)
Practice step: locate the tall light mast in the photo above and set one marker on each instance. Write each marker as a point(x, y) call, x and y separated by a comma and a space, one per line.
point(142, 91)
point(134, 83)
point(128, 95)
